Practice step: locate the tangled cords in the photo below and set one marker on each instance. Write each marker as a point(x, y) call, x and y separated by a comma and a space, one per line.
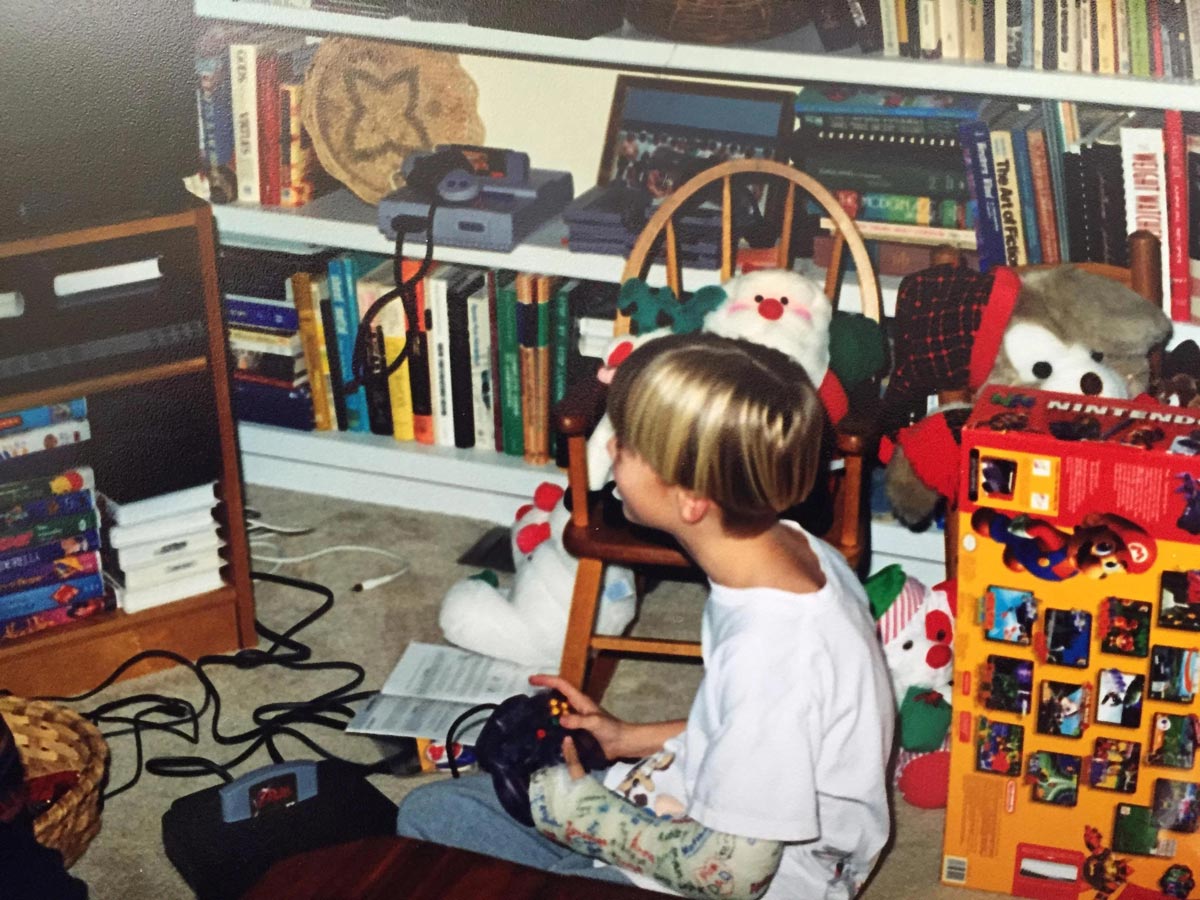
point(140, 713)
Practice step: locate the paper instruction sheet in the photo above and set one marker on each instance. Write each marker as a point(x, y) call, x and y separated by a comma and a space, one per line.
point(431, 686)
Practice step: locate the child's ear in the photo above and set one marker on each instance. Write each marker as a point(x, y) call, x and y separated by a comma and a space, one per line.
point(692, 506)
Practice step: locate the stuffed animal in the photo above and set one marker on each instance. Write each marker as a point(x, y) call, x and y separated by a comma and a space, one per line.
point(957, 330)
point(916, 626)
point(775, 307)
point(527, 623)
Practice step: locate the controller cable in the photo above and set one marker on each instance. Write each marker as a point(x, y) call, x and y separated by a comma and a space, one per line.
point(180, 717)
point(455, 725)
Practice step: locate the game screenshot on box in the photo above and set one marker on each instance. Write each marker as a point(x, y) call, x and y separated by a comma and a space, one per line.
point(1074, 738)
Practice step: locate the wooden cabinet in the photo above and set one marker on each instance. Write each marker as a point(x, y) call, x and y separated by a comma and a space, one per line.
point(177, 359)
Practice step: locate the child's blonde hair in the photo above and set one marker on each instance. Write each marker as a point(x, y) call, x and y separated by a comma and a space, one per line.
point(736, 422)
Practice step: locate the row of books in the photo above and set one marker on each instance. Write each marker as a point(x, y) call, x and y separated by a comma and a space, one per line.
point(249, 96)
point(38, 428)
point(1151, 38)
point(493, 350)
point(1038, 183)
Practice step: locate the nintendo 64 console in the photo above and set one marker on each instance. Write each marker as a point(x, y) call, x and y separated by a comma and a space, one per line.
point(485, 199)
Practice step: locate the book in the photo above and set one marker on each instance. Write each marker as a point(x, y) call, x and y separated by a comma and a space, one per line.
point(1145, 191)
point(202, 496)
point(279, 342)
point(1121, 18)
point(370, 287)
point(510, 363)
point(431, 686)
point(542, 450)
point(157, 531)
point(1009, 198)
point(267, 404)
point(267, 100)
point(302, 178)
point(214, 104)
point(560, 362)
point(888, 27)
point(243, 69)
point(437, 287)
point(42, 416)
point(961, 238)
point(1022, 165)
point(460, 356)
point(1043, 193)
point(344, 271)
point(332, 359)
point(29, 557)
point(23, 443)
point(1176, 234)
point(827, 98)
point(981, 180)
point(22, 626)
point(393, 329)
point(929, 29)
point(133, 601)
point(260, 312)
point(971, 14)
point(1139, 39)
point(1193, 174)
point(497, 411)
point(50, 572)
point(1106, 36)
point(304, 289)
point(483, 374)
point(70, 592)
point(51, 506)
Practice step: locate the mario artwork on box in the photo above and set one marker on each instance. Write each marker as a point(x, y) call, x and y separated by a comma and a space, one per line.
point(1077, 650)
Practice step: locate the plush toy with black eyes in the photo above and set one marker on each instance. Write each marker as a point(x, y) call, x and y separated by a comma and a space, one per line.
point(1059, 329)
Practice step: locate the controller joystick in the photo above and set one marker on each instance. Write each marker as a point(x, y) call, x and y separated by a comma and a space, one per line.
point(524, 735)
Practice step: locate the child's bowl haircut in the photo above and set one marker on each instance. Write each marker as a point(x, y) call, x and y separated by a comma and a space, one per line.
point(734, 421)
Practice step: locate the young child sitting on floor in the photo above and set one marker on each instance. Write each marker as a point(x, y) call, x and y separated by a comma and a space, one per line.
point(775, 784)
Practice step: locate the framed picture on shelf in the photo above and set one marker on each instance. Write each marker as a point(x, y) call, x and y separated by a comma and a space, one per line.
point(662, 132)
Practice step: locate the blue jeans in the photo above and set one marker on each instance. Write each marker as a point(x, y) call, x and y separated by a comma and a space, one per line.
point(465, 813)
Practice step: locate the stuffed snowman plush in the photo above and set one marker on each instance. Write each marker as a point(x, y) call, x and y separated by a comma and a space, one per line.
point(528, 622)
point(778, 308)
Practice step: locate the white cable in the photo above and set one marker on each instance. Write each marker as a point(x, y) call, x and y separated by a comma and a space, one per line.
point(323, 551)
point(372, 583)
point(278, 529)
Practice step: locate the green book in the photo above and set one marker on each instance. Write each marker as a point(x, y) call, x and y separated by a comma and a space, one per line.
point(560, 349)
point(510, 364)
point(1139, 38)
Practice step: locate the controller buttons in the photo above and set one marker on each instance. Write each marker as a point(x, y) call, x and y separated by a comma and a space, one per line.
point(541, 734)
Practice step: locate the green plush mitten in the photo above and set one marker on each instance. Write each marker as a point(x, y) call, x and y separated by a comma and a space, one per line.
point(857, 349)
point(924, 720)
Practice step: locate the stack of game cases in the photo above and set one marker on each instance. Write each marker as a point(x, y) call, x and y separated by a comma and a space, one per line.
point(163, 548)
point(50, 568)
point(608, 219)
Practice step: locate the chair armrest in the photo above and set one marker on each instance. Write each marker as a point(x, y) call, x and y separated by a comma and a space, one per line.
point(583, 406)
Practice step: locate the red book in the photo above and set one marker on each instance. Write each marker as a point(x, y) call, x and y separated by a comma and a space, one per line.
point(268, 127)
point(1175, 156)
point(1154, 26)
point(1043, 193)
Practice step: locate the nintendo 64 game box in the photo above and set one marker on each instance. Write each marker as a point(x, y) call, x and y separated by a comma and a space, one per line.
point(1074, 735)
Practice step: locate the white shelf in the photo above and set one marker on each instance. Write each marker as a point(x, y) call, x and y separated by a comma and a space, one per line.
point(370, 468)
point(793, 58)
point(340, 219)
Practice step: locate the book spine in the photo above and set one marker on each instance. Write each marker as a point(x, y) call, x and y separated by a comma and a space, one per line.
point(42, 416)
point(289, 110)
point(891, 36)
point(52, 572)
point(392, 325)
point(23, 443)
point(67, 593)
point(37, 509)
point(299, 288)
point(439, 379)
point(1121, 18)
point(70, 481)
point(419, 371)
point(318, 285)
point(1193, 173)
point(272, 405)
point(1054, 156)
point(243, 68)
point(1009, 198)
point(482, 377)
point(1043, 193)
point(345, 321)
point(375, 384)
point(510, 367)
point(274, 366)
point(1139, 38)
point(1154, 38)
point(1086, 35)
point(950, 28)
point(916, 131)
point(332, 359)
point(216, 117)
point(526, 346)
point(538, 452)
point(1175, 164)
point(904, 37)
point(1110, 202)
point(930, 29)
point(1078, 214)
point(1192, 22)
point(1178, 40)
point(1050, 10)
point(49, 530)
point(253, 313)
point(22, 626)
point(17, 560)
point(493, 330)
point(262, 340)
point(1014, 34)
point(841, 167)
point(907, 210)
point(972, 30)
point(560, 350)
point(459, 341)
point(977, 158)
point(267, 96)
point(1022, 168)
point(1106, 37)
point(1145, 191)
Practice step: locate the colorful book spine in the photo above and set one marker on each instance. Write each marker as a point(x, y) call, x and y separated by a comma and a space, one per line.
point(243, 68)
point(1175, 166)
point(1106, 37)
point(437, 299)
point(258, 312)
point(890, 33)
point(69, 481)
point(369, 288)
point(1024, 169)
point(459, 342)
point(68, 593)
point(483, 381)
point(53, 572)
point(45, 553)
point(1144, 168)
point(510, 364)
point(981, 179)
point(493, 328)
point(37, 509)
point(560, 357)
point(21, 626)
point(1193, 173)
point(56, 529)
point(393, 326)
point(1139, 38)
point(972, 30)
point(1009, 197)
point(23, 443)
point(345, 315)
point(332, 361)
point(43, 416)
point(267, 97)
point(300, 292)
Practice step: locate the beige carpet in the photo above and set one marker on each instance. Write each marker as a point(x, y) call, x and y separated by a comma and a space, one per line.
point(126, 862)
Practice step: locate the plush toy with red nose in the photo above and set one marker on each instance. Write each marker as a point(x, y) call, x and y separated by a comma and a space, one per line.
point(778, 308)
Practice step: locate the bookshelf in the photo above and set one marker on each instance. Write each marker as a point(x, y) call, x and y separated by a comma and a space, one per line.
point(483, 484)
point(74, 657)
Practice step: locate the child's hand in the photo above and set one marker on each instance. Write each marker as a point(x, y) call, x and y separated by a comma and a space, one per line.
point(588, 715)
point(571, 757)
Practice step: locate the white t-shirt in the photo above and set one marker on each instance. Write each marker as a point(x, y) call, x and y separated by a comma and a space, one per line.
point(789, 735)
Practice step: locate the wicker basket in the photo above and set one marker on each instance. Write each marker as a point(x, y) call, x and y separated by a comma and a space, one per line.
point(717, 21)
point(52, 738)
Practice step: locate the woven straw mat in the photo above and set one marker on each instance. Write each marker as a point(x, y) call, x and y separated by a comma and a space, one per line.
point(369, 104)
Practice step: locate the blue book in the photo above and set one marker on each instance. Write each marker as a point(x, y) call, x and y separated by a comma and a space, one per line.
point(1055, 150)
point(24, 557)
point(41, 416)
point(1033, 241)
point(976, 141)
point(344, 306)
point(270, 405)
point(48, 596)
point(49, 507)
point(257, 312)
